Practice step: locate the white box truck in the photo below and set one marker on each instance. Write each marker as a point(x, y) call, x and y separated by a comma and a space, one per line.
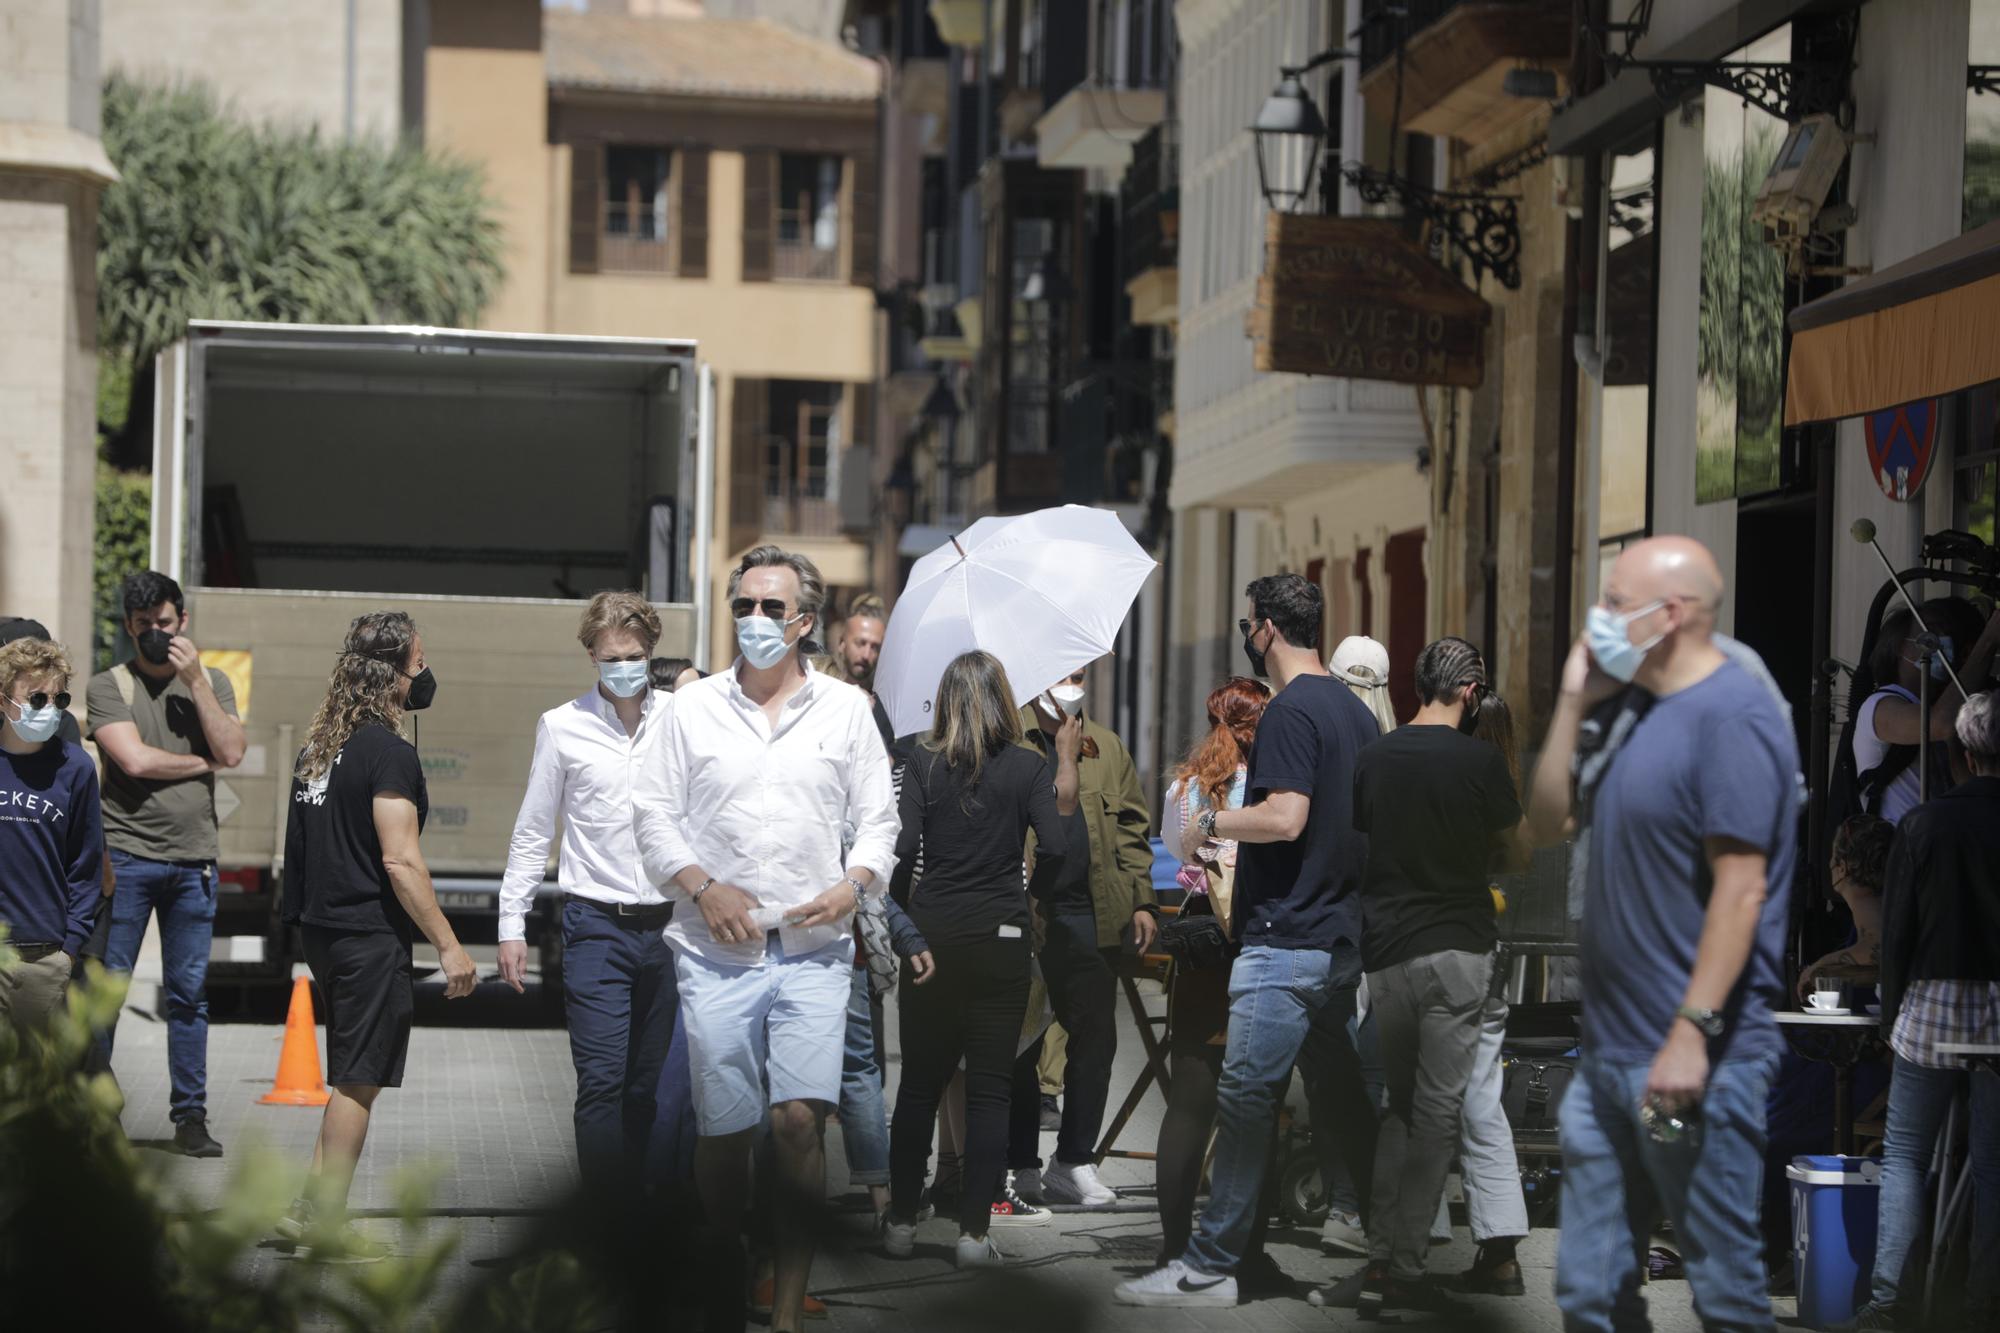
point(487, 483)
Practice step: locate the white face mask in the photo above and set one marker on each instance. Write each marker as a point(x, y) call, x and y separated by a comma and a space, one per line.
point(624, 679)
point(762, 639)
point(1065, 700)
point(36, 725)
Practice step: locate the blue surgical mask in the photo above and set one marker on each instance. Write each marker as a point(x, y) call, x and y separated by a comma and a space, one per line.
point(1606, 634)
point(762, 639)
point(36, 725)
point(623, 679)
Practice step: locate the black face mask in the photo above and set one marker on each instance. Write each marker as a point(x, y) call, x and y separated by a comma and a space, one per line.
point(152, 645)
point(423, 689)
point(1250, 652)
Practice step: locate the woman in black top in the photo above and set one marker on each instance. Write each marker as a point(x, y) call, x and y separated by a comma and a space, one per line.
point(356, 886)
point(970, 793)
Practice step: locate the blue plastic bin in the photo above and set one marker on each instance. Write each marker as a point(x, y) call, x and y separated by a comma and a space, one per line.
point(1834, 1208)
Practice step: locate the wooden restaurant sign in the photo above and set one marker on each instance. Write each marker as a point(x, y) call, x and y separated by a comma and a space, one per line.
point(1357, 297)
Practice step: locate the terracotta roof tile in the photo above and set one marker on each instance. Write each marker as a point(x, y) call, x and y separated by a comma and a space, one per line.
point(706, 57)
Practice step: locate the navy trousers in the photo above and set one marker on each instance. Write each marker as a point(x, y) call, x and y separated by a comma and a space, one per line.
point(618, 982)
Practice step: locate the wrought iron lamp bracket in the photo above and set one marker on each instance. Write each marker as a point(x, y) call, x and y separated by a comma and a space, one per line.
point(1983, 78)
point(1484, 228)
point(1786, 90)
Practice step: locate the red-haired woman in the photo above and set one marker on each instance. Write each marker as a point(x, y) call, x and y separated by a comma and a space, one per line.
point(1211, 777)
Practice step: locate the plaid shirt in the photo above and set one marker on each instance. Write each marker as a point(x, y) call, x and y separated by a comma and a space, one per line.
point(1934, 1012)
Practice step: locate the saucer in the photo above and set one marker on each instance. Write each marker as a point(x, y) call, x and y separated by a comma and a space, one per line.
point(1830, 1013)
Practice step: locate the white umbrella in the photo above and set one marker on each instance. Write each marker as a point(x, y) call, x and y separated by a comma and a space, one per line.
point(1043, 592)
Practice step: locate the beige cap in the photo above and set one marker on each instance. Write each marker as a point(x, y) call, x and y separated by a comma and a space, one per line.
point(1360, 660)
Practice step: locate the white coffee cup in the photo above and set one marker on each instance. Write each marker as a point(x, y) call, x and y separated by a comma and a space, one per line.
point(1824, 999)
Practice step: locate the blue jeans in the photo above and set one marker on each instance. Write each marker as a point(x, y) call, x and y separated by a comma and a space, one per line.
point(1617, 1181)
point(184, 896)
point(618, 988)
point(1918, 1099)
point(864, 1123)
point(1281, 1002)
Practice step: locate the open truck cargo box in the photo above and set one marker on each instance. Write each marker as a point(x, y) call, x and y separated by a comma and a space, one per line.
point(484, 483)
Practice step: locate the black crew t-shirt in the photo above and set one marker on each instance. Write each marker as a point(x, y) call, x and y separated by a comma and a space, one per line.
point(334, 875)
point(1432, 801)
point(972, 841)
point(1306, 894)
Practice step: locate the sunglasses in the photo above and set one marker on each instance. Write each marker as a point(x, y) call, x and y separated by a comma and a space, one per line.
point(1243, 627)
point(40, 699)
point(773, 608)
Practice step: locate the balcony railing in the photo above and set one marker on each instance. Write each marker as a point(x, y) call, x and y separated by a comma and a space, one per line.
point(801, 259)
point(779, 504)
point(633, 238)
point(1150, 199)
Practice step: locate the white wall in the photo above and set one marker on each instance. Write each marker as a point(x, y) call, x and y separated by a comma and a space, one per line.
point(1908, 187)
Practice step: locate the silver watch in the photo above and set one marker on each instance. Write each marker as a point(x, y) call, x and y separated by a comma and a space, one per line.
point(860, 891)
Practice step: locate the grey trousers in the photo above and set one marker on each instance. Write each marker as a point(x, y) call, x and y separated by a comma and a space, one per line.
point(1428, 1013)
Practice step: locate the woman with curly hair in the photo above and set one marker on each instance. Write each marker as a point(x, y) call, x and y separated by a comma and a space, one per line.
point(357, 888)
point(1210, 778)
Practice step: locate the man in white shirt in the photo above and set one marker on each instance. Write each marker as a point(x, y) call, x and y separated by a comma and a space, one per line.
point(740, 809)
point(618, 975)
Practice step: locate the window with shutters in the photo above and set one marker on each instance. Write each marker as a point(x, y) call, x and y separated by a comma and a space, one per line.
point(806, 234)
point(801, 457)
point(637, 221)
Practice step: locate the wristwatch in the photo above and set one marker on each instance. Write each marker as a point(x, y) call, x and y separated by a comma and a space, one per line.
point(860, 890)
point(1204, 823)
point(1708, 1020)
point(695, 895)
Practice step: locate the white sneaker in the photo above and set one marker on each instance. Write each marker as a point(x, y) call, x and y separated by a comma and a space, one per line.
point(1067, 1182)
point(899, 1239)
point(1028, 1184)
point(978, 1252)
point(1342, 1234)
point(1178, 1285)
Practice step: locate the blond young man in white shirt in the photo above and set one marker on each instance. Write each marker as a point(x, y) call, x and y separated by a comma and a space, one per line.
point(618, 974)
point(740, 809)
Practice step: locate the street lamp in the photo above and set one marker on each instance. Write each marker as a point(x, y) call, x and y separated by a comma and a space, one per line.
point(941, 404)
point(1288, 115)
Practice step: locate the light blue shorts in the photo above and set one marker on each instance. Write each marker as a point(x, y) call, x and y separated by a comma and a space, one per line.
point(758, 1036)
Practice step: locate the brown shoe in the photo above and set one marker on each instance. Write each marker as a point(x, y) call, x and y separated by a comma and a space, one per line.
point(766, 1291)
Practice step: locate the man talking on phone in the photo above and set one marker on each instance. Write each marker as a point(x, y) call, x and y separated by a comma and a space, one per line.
point(1685, 802)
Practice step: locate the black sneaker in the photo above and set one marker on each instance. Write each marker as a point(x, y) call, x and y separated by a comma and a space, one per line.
point(192, 1139)
point(1875, 1315)
point(1415, 1302)
point(1259, 1278)
point(1051, 1113)
point(1374, 1290)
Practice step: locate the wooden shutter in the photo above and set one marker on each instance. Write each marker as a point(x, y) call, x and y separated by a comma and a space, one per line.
point(586, 204)
point(692, 168)
point(865, 217)
point(749, 422)
point(760, 202)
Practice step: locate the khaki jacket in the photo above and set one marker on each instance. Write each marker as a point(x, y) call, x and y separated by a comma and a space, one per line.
point(1115, 814)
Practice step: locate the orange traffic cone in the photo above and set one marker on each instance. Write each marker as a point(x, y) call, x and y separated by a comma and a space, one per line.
point(299, 1083)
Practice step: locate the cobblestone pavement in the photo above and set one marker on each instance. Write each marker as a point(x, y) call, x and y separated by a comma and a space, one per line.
point(486, 1103)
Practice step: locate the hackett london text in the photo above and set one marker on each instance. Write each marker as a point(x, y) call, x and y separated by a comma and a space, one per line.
point(32, 803)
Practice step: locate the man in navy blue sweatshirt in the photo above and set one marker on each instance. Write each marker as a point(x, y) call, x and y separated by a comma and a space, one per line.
point(51, 833)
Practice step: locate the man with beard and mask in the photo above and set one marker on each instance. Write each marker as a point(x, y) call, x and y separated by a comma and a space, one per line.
point(741, 808)
point(1692, 831)
point(1435, 803)
point(165, 725)
point(1094, 901)
point(860, 648)
point(1297, 916)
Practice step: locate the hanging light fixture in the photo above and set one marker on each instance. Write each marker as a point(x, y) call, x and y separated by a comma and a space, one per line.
point(1288, 117)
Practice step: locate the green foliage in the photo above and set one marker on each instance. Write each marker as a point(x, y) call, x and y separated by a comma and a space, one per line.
point(1982, 179)
point(214, 218)
point(124, 528)
point(90, 1227)
point(1739, 327)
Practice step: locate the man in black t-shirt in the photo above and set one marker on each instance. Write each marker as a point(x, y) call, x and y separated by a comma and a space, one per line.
point(1297, 916)
point(1433, 802)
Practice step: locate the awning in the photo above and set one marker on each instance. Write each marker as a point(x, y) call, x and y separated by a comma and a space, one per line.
point(1927, 326)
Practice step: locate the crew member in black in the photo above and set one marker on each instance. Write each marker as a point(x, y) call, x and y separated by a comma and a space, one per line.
point(357, 887)
point(971, 791)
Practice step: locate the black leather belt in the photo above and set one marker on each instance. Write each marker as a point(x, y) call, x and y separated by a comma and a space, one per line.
point(32, 953)
point(634, 916)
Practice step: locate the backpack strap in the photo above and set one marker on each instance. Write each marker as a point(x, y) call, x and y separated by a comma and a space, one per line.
point(127, 682)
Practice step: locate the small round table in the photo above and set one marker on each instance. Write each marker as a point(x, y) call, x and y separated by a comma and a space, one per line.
point(1840, 1040)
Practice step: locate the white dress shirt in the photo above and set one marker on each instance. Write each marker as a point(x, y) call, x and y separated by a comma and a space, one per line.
point(583, 770)
point(763, 807)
